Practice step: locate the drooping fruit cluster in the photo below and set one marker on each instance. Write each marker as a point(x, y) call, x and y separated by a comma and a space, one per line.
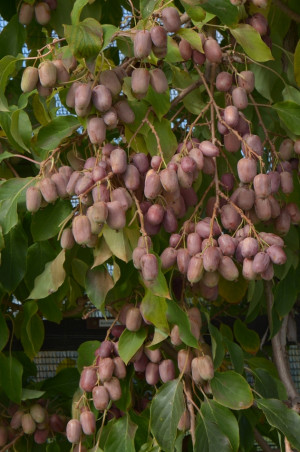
point(40, 10)
point(31, 419)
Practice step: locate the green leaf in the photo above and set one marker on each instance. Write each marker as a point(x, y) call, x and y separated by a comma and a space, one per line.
point(231, 390)
point(13, 263)
point(40, 110)
point(248, 339)
point(32, 329)
point(233, 291)
point(284, 419)
point(225, 420)
point(130, 342)
point(86, 354)
point(160, 102)
point(289, 113)
point(118, 243)
point(20, 129)
point(218, 350)
point(52, 134)
point(108, 32)
point(297, 64)
point(102, 252)
point(209, 437)
point(4, 332)
point(251, 42)
point(286, 293)
point(192, 37)
point(39, 253)
point(46, 222)
point(125, 402)
point(227, 13)
point(7, 69)
point(12, 192)
point(98, 283)
point(154, 310)
point(236, 355)
point(65, 383)
point(178, 317)
point(194, 10)
point(121, 436)
point(193, 102)
point(30, 394)
point(12, 38)
point(173, 54)
point(76, 11)
point(165, 137)
point(50, 279)
point(84, 39)
point(268, 386)
point(147, 7)
point(5, 155)
point(11, 377)
point(166, 409)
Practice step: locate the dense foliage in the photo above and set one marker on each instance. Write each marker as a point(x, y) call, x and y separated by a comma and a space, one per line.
point(166, 195)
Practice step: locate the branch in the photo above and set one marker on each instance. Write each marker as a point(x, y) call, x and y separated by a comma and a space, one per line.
point(289, 12)
point(278, 350)
point(185, 92)
point(261, 442)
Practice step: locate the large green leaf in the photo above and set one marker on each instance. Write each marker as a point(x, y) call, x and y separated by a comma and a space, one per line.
point(283, 418)
point(236, 355)
point(76, 11)
point(286, 293)
point(13, 262)
point(218, 350)
point(32, 329)
point(7, 69)
point(11, 377)
point(209, 437)
point(46, 222)
point(248, 339)
point(178, 317)
point(65, 383)
point(39, 253)
point(86, 354)
point(297, 63)
point(130, 342)
point(4, 332)
point(154, 310)
point(159, 101)
point(121, 436)
point(147, 7)
point(50, 279)
point(118, 243)
point(225, 420)
point(98, 282)
point(166, 409)
point(12, 192)
point(192, 37)
point(268, 386)
point(227, 13)
point(85, 38)
point(12, 38)
point(51, 135)
point(231, 390)
point(21, 129)
point(289, 113)
point(252, 43)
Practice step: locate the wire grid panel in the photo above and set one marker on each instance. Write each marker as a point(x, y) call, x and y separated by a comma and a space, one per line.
point(49, 363)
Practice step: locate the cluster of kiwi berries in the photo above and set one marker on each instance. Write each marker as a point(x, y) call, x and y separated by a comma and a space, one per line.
point(31, 419)
point(40, 10)
point(102, 378)
point(111, 183)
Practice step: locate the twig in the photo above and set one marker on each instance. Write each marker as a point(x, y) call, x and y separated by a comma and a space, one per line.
point(157, 140)
point(6, 448)
point(261, 442)
point(188, 392)
point(278, 351)
point(185, 92)
point(288, 11)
